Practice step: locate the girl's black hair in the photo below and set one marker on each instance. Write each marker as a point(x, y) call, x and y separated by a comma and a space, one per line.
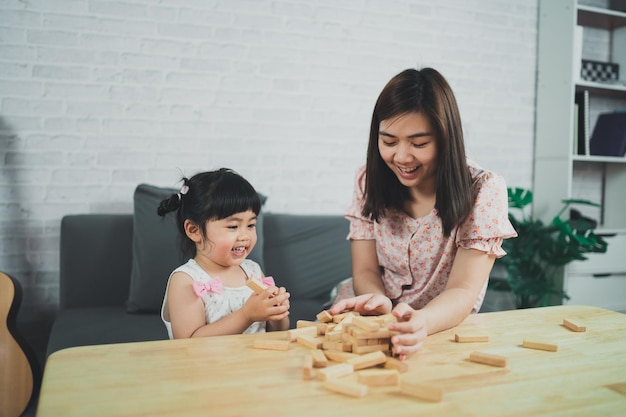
point(212, 195)
point(425, 91)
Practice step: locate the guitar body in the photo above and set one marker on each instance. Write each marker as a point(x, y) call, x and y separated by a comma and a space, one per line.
point(16, 373)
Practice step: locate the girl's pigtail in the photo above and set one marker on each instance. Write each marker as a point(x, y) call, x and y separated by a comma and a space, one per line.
point(174, 202)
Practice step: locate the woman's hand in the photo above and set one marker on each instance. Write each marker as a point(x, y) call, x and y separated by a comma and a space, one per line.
point(366, 304)
point(411, 326)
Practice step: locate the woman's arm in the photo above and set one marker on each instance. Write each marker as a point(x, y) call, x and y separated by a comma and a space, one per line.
point(367, 282)
point(366, 277)
point(469, 273)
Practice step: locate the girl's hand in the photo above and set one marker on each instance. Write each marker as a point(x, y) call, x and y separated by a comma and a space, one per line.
point(270, 304)
point(412, 328)
point(366, 304)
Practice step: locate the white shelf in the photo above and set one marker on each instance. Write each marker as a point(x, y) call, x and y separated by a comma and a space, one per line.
point(600, 18)
point(602, 159)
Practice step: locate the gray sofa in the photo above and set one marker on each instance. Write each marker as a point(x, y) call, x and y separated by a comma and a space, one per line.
point(307, 254)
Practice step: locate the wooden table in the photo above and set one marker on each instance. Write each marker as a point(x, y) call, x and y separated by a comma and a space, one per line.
point(226, 376)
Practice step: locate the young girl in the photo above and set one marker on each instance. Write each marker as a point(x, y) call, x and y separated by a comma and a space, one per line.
point(216, 215)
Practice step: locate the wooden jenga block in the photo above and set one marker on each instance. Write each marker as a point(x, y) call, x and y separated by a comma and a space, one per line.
point(305, 323)
point(422, 391)
point(307, 367)
point(378, 334)
point(324, 316)
point(533, 344)
point(335, 371)
point(367, 360)
point(271, 344)
point(340, 346)
point(488, 359)
point(365, 324)
point(340, 317)
point(319, 359)
point(338, 355)
point(397, 364)
point(371, 348)
point(255, 285)
point(346, 387)
point(293, 334)
point(333, 336)
point(345, 319)
point(309, 341)
point(574, 326)
point(379, 377)
point(470, 338)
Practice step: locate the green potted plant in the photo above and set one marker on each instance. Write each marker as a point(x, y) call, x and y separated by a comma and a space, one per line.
point(534, 257)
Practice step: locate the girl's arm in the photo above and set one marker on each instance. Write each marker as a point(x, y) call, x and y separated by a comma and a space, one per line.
point(187, 315)
point(470, 271)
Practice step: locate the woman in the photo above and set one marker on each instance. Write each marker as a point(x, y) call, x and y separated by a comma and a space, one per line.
point(426, 224)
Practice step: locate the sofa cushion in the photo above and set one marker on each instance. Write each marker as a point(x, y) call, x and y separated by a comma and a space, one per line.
point(308, 255)
point(156, 249)
point(102, 325)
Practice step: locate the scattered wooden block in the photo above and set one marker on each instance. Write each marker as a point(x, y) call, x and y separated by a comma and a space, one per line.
point(345, 387)
point(470, 339)
point(335, 371)
point(530, 344)
point(338, 355)
point(488, 359)
point(365, 324)
point(574, 326)
point(370, 348)
point(255, 285)
point(307, 367)
point(271, 344)
point(319, 359)
point(305, 323)
point(397, 364)
point(368, 360)
point(292, 334)
point(324, 316)
point(379, 377)
point(309, 341)
point(428, 392)
point(337, 318)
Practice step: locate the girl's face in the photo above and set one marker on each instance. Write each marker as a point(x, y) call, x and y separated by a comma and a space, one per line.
point(407, 145)
point(229, 241)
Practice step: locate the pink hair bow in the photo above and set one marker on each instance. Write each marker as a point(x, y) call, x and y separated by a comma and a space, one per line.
point(268, 281)
point(214, 286)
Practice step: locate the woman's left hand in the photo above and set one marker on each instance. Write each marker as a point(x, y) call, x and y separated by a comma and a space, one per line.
point(411, 325)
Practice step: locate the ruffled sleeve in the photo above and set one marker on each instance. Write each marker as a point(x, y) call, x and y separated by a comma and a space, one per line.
point(488, 224)
point(361, 228)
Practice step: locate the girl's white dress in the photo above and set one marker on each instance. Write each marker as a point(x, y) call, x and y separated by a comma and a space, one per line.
point(219, 301)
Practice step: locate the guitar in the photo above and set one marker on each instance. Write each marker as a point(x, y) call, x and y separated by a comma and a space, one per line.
point(16, 373)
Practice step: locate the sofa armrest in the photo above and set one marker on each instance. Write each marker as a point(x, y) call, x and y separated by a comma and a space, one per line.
point(95, 260)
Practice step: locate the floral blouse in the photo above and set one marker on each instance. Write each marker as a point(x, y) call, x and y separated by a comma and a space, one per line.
point(415, 257)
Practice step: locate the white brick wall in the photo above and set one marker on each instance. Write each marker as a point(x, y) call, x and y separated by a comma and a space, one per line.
point(97, 96)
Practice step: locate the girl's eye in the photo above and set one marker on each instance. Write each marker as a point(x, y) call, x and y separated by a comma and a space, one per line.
point(419, 145)
point(388, 143)
point(231, 227)
point(252, 226)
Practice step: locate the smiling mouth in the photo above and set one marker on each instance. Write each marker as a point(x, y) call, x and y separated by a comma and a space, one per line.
point(408, 170)
point(239, 250)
